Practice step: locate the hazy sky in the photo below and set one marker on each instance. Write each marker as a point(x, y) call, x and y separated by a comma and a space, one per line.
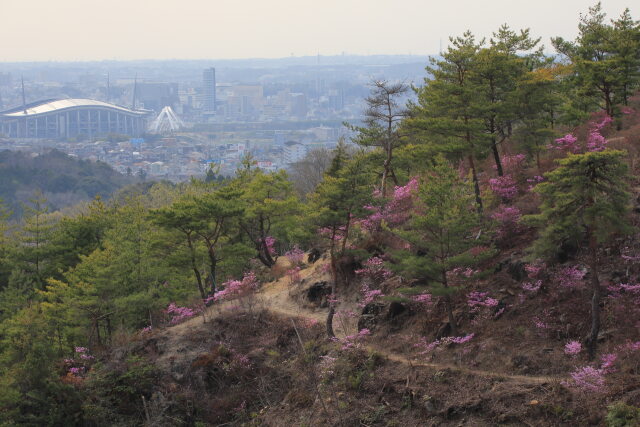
point(62, 30)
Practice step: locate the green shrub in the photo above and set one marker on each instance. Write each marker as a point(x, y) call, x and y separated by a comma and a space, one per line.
point(622, 415)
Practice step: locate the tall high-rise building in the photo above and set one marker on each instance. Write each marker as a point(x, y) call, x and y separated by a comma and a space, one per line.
point(209, 91)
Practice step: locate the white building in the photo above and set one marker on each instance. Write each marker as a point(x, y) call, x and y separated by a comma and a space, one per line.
point(294, 152)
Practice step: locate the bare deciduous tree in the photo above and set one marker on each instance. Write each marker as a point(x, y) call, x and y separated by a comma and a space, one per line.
point(309, 172)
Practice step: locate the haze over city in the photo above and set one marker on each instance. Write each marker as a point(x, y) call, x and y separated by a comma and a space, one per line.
point(78, 30)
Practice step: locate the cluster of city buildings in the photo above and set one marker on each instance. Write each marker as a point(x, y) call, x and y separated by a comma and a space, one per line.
point(177, 129)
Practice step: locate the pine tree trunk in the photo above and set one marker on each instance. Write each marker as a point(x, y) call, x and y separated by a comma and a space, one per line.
point(265, 257)
point(334, 286)
point(496, 156)
point(476, 183)
point(263, 254)
point(213, 261)
point(109, 329)
point(329, 322)
point(449, 307)
point(385, 174)
point(194, 267)
point(592, 341)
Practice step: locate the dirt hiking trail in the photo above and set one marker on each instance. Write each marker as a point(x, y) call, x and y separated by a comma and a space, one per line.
point(275, 297)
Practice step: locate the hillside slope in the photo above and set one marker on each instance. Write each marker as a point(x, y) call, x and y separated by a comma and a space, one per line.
point(284, 378)
point(63, 180)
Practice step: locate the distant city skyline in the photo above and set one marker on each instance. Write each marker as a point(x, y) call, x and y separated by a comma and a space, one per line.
point(78, 30)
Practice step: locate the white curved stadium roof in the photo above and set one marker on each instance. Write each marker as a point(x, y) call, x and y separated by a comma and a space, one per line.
point(51, 106)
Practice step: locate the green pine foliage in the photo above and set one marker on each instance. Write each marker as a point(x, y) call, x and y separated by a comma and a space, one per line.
point(586, 195)
point(605, 58)
point(585, 200)
point(442, 233)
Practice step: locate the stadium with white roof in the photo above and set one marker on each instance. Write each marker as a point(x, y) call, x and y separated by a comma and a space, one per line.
point(68, 118)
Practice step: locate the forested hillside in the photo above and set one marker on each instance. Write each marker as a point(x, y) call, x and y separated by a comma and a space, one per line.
point(474, 262)
point(62, 180)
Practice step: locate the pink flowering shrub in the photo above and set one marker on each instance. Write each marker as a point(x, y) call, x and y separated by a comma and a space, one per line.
point(534, 273)
point(589, 379)
point(504, 187)
point(351, 342)
point(532, 286)
point(633, 346)
point(535, 270)
point(622, 290)
point(369, 295)
point(178, 314)
point(327, 233)
point(373, 274)
point(78, 368)
point(540, 323)
point(513, 164)
point(608, 360)
point(233, 289)
point(428, 346)
point(595, 140)
point(533, 181)
point(426, 299)
point(477, 300)
point(483, 307)
point(270, 242)
point(572, 348)
point(374, 271)
point(629, 256)
point(461, 273)
point(508, 219)
point(421, 302)
point(393, 212)
point(567, 143)
point(295, 255)
point(294, 276)
point(570, 277)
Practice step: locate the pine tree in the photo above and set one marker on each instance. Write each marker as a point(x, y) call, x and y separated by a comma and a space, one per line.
point(497, 72)
point(31, 392)
point(34, 252)
point(382, 118)
point(333, 207)
point(441, 233)
point(626, 50)
point(339, 157)
point(213, 217)
point(585, 198)
point(537, 104)
point(446, 114)
point(270, 211)
point(179, 216)
point(4, 244)
point(605, 58)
